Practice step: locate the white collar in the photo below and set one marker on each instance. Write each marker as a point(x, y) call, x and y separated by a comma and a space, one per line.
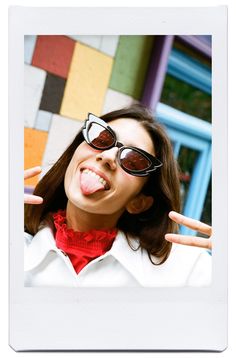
point(136, 261)
point(43, 242)
point(39, 246)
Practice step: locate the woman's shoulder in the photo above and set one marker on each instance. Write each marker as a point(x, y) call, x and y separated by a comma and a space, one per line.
point(185, 266)
point(44, 231)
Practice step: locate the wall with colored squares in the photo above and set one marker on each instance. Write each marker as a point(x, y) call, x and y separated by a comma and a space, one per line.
point(68, 76)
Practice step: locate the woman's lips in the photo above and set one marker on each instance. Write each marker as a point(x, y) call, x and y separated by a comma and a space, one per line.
point(93, 180)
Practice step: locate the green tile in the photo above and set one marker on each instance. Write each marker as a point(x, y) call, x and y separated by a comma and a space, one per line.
point(131, 64)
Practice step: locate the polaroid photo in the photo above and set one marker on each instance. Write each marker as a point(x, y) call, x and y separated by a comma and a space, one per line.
point(118, 125)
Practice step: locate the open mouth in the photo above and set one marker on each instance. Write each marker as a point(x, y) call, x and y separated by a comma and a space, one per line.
point(91, 182)
point(97, 177)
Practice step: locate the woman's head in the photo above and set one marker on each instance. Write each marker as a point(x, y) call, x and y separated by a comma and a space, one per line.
point(140, 205)
point(95, 181)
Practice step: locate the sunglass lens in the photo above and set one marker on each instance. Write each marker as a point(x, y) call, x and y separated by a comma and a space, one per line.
point(100, 137)
point(133, 160)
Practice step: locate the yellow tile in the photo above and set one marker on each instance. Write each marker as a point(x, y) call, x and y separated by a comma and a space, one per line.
point(34, 146)
point(87, 82)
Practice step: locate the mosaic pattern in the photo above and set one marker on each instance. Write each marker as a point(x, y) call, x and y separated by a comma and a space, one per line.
point(43, 120)
point(52, 94)
point(65, 78)
point(106, 44)
point(87, 82)
point(35, 142)
point(53, 54)
point(34, 84)
point(131, 65)
point(61, 134)
point(115, 100)
point(68, 76)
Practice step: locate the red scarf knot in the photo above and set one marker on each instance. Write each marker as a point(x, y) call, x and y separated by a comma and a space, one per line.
point(81, 247)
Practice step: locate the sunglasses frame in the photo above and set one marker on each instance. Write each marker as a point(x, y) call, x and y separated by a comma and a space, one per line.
point(155, 163)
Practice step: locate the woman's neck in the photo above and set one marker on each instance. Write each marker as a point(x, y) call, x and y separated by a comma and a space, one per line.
point(79, 220)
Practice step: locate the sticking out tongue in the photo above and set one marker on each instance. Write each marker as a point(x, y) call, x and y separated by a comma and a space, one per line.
point(89, 184)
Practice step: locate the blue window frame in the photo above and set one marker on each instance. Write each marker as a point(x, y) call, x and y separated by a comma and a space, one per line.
point(190, 71)
point(191, 132)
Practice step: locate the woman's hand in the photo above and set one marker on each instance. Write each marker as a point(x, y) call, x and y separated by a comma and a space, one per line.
point(28, 198)
point(192, 224)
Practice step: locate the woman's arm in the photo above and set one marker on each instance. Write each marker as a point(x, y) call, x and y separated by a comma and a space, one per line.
point(28, 198)
point(192, 224)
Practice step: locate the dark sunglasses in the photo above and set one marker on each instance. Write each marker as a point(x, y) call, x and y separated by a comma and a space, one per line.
point(133, 160)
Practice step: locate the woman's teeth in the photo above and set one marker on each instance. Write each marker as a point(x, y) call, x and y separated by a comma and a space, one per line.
point(101, 180)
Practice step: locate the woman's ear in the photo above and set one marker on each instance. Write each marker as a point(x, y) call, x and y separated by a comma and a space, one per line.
point(139, 204)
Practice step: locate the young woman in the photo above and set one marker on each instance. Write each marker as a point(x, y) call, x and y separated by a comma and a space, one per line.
point(105, 207)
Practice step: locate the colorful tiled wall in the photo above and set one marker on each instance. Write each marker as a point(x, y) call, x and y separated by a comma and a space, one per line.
point(68, 76)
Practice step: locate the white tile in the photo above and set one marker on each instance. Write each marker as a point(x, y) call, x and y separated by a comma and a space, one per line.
point(43, 120)
point(109, 44)
point(116, 100)
point(90, 40)
point(29, 45)
point(34, 79)
point(62, 132)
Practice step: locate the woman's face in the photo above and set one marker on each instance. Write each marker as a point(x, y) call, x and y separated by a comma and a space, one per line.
point(94, 181)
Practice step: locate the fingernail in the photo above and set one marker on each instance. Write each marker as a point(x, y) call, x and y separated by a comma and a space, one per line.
point(172, 214)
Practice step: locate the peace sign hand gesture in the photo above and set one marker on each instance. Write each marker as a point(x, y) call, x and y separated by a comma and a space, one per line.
point(29, 198)
point(192, 224)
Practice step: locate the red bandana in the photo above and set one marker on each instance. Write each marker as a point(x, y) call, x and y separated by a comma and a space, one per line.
point(81, 247)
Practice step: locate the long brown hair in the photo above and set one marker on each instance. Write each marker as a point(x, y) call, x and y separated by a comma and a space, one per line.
point(163, 185)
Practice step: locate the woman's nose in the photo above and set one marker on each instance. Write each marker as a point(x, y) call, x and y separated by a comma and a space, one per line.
point(108, 157)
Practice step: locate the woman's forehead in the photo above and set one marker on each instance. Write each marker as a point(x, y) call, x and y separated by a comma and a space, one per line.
point(131, 132)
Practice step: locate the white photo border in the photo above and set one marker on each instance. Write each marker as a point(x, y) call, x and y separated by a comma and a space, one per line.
point(128, 319)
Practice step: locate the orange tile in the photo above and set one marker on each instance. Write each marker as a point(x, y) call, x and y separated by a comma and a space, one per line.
point(34, 147)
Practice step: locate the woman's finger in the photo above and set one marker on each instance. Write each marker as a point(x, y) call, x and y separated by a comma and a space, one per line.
point(190, 223)
point(32, 199)
point(29, 173)
point(189, 240)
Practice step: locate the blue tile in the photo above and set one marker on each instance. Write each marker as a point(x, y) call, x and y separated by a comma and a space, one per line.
point(29, 44)
point(43, 120)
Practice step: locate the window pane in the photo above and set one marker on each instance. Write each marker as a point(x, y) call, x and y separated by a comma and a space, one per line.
point(186, 98)
point(206, 214)
point(186, 160)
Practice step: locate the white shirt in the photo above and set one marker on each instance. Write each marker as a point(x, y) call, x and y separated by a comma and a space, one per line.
point(46, 265)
